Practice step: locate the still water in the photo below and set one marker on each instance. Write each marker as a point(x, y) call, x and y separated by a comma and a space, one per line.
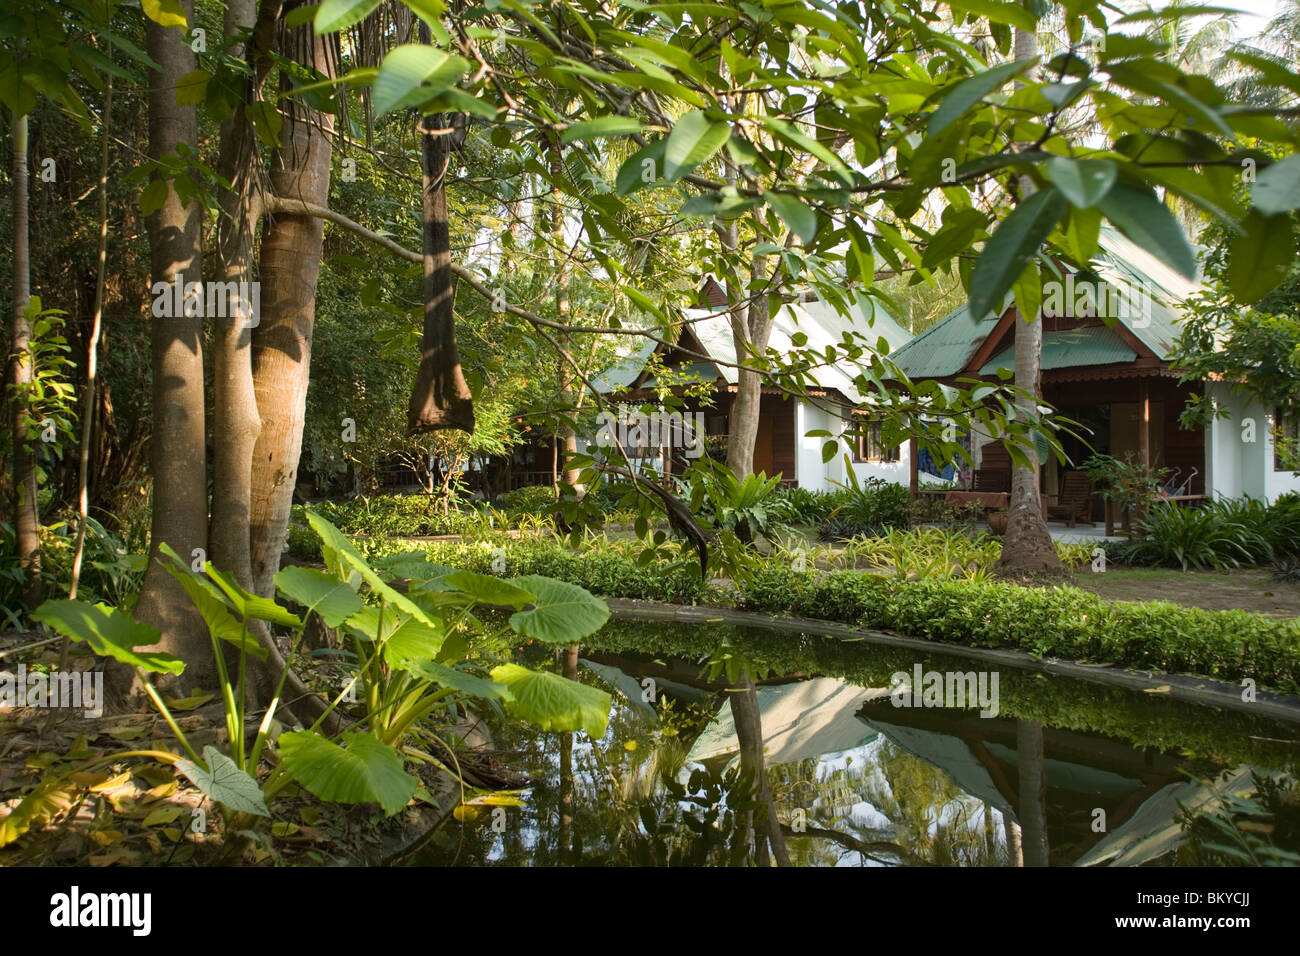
point(1058, 770)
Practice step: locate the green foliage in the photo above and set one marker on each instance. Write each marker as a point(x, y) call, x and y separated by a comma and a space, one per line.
point(1261, 828)
point(749, 509)
point(866, 508)
point(1062, 622)
point(1213, 536)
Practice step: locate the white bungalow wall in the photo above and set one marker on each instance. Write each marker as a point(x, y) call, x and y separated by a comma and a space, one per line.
point(1238, 466)
point(816, 475)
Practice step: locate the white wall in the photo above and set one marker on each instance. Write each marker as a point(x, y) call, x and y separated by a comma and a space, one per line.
point(1238, 466)
point(816, 475)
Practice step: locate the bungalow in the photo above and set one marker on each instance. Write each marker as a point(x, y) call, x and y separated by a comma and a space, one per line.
point(1108, 339)
point(705, 354)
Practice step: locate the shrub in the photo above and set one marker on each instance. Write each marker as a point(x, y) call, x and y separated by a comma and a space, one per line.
point(535, 499)
point(1066, 622)
point(1208, 537)
point(869, 508)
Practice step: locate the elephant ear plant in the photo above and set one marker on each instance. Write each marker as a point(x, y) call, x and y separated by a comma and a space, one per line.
point(416, 654)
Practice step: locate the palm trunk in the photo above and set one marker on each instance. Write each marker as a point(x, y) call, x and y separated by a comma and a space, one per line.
point(568, 438)
point(290, 268)
point(177, 450)
point(750, 333)
point(1027, 545)
point(27, 531)
point(1033, 791)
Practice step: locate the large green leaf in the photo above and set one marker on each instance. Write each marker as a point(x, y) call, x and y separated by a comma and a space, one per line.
point(334, 601)
point(412, 74)
point(412, 643)
point(798, 217)
point(601, 127)
point(970, 91)
point(363, 770)
point(109, 631)
point(1011, 247)
point(250, 606)
point(641, 168)
point(338, 14)
point(1082, 181)
point(165, 13)
point(485, 589)
point(693, 140)
point(340, 554)
point(459, 680)
point(1261, 257)
point(212, 604)
point(562, 613)
point(1278, 188)
point(225, 783)
point(553, 702)
point(1150, 223)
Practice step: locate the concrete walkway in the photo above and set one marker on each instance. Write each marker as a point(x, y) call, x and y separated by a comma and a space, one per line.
point(1081, 533)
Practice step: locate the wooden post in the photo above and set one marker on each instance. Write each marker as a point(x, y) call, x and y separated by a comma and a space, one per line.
point(914, 479)
point(1144, 423)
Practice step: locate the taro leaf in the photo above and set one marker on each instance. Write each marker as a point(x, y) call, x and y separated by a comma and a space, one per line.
point(485, 589)
point(552, 702)
point(1011, 247)
point(334, 601)
point(340, 554)
point(109, 632)
point(465, 683)
point(694, 138)
point(225, 783)
point(562, 613)
point(1084, 182)
point(1278, 188)
point(1149, 223)
point(413, 643)
point(250, 606)
point(365, 623)
point(363, 770)
point(213, 606)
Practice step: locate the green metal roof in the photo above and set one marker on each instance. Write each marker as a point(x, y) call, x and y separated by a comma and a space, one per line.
point(1094, 345)
point(946, 347)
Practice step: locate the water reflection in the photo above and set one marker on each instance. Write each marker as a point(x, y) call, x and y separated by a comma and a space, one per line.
point(846, 779)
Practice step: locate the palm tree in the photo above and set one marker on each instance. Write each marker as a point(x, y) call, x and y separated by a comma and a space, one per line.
point(1027, 545)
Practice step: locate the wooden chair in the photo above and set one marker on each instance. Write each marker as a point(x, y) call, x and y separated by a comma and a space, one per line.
point(1074, 502)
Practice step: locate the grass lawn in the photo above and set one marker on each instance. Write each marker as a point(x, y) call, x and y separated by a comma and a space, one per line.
point(1248, 589)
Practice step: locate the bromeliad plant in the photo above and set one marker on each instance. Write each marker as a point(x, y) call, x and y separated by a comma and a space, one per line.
point(415, 653)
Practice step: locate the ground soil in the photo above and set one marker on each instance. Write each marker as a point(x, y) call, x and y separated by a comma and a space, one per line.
point(1245, 589)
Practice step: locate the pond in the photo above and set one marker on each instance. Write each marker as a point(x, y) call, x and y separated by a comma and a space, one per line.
point(864, 768)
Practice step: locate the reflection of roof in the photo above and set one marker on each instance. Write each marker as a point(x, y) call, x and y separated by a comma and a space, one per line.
point(946, 347)
point(800, 720)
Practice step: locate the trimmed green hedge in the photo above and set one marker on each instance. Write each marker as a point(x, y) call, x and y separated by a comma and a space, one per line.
point(1062, 622)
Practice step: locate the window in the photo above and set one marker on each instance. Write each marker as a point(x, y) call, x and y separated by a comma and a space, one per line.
point(1286, 441)
point(871, 445)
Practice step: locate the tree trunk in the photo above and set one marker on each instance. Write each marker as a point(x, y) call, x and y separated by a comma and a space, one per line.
point(1027, 545)
point(441, 398)
point(27, 530)
point(292, 245)
point(750, 334)
point(568, 438)
point(1033, 792)
point(235, 419)
point(749, 734)
point(176, 448)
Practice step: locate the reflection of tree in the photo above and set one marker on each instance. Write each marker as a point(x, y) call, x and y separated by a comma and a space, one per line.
point(1033, 792)
point(930, 820)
